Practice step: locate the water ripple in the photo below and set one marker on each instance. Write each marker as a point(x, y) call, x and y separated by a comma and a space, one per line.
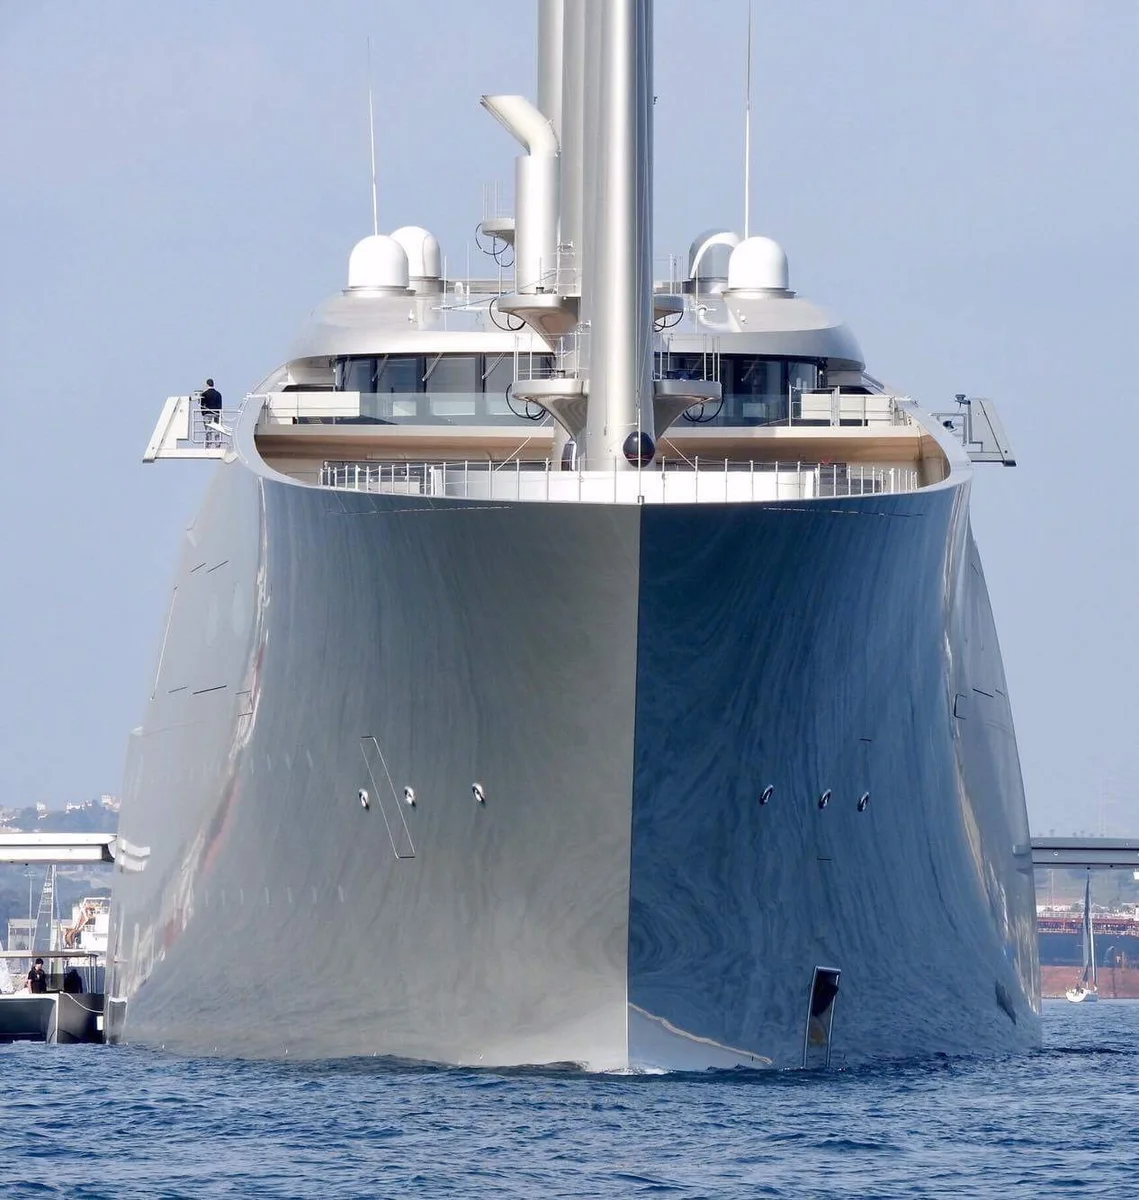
point(95, 1122)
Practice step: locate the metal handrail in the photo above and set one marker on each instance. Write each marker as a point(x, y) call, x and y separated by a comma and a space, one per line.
point(666, 481)
point(48, 955)
point(212, 431)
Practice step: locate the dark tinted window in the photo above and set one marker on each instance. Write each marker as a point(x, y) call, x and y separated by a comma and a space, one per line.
point(756, 389)
point(455, 389)
point(399, 373)
point(453, 373)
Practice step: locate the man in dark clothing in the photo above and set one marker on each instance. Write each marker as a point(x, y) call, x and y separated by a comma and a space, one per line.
point(210, 404)
point(37, 979)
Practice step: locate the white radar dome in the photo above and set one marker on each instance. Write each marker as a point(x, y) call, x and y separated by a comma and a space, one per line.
point(758, 264)
point(377, 261)
point(424, 258)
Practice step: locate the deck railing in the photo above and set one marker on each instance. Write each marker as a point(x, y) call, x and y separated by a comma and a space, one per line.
point(667, 481)
point(212, 429)
point(15, 965)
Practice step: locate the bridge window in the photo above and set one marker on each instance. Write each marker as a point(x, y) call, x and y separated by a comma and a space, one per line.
point(433, 389)
point(393, 373)
point(452, 373)
point(757, 389)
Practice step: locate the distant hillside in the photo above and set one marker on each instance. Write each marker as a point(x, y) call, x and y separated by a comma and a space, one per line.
point(72, 883)
point(92, 817)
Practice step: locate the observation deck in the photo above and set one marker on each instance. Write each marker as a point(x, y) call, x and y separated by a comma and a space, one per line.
point(828, 443)
point(483, 446)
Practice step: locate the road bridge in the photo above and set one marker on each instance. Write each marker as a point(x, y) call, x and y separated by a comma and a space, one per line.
point(1104, 853)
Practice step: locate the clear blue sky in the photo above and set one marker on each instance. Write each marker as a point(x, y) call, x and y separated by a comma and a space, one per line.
point(182, 183)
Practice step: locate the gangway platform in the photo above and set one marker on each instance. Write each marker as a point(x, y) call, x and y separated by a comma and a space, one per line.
point(64, 849)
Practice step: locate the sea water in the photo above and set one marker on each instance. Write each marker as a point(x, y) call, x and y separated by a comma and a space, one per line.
point(95, 1121)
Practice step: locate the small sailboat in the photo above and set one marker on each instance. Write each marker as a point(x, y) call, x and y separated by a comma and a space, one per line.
point(1085, 991)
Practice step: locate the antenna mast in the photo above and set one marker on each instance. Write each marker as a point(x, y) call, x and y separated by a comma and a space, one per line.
point(747, 132)
point(372, 142)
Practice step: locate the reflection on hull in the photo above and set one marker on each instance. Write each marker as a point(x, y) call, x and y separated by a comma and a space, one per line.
point(622, 684)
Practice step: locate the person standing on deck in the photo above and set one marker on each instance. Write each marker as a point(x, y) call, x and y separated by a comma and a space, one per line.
point(210, 404)
point(37, 979)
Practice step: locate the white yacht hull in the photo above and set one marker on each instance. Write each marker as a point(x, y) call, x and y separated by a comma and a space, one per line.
point(622, 682)
point(1081, 995)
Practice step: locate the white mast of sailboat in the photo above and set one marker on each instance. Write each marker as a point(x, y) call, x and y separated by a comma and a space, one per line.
point(1086, 988)
point(1089, 936)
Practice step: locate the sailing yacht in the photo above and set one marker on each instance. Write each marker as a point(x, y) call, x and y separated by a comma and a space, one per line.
point(572, 666)
point(1086, 991)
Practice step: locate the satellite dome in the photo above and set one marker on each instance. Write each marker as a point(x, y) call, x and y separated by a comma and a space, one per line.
point(378, 261)
point(424, 258)
point(758, 264)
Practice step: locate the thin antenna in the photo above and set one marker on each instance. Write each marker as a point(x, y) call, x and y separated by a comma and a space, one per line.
point(372, 140)
point(747, 132)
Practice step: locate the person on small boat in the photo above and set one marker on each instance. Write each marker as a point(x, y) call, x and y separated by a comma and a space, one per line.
point(37, 979)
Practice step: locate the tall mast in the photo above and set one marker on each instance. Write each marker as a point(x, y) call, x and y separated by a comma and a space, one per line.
point(747, 132)
point(620, 287)
point(571, 132)
point(1089, 932)
point(372, 144)
point(551, 26)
